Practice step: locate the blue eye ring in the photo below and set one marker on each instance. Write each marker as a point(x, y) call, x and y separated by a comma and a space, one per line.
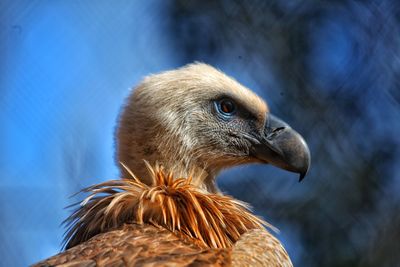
point(226, 107)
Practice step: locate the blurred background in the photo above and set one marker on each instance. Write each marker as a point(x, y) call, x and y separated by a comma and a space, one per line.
point(331, 69)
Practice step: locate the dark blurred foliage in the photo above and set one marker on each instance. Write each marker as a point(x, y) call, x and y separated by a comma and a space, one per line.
point(331, 69)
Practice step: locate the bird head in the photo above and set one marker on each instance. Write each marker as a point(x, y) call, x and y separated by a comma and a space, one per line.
point(197, 119)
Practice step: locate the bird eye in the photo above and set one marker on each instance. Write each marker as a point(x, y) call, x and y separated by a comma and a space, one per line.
point(226, 107)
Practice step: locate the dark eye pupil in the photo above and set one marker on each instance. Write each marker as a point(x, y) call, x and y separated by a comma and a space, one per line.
point(227, 106)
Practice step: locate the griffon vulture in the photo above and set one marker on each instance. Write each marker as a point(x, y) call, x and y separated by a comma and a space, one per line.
point(177, 131)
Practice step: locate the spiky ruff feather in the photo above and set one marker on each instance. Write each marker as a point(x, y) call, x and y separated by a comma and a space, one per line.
point(210, 220)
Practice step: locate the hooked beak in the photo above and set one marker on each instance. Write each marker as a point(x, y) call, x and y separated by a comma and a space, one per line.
point(283, 147)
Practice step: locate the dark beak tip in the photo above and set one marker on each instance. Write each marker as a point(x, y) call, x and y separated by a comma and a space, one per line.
point(306, 164)
point(302, 175)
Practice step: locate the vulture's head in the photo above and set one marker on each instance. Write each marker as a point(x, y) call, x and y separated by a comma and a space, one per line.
point(197, 119)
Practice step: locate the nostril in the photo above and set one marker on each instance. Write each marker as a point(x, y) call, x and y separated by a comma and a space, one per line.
point(277, 130)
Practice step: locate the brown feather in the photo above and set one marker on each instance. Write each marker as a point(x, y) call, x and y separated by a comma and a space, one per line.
point(212, 220)
point(139, 245)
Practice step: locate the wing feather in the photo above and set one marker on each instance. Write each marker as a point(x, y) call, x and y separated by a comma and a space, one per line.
point(139, 245)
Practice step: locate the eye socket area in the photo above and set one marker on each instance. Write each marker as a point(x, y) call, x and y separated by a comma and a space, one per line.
point(226, 107)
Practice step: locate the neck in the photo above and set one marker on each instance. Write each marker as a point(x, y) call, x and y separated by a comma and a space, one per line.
point(210, 184)
point(203, 178)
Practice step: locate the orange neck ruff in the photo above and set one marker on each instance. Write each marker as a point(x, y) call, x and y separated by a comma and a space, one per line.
point(210, 220)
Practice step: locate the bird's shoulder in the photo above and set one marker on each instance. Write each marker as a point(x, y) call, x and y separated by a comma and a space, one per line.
point(138, 245)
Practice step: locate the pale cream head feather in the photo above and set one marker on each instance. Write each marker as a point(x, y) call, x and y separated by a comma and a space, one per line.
point(169, 120)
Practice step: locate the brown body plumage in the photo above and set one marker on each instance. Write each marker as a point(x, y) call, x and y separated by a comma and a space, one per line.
point(182, 122)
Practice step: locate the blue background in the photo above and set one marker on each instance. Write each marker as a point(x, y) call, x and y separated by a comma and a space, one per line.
point(329, 69)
